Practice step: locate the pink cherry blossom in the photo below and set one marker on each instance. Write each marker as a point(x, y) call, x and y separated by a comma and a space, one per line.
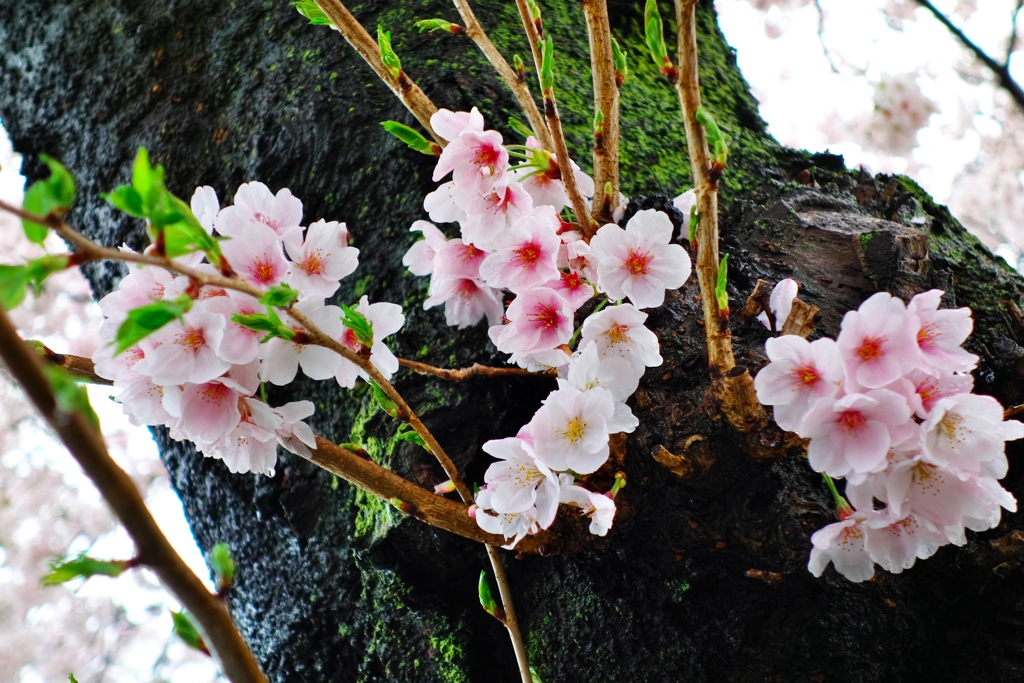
point(256, 255)
point(516, 524)
point(781, 303)
point(254, 203)
point(853, 433)
point(209, 411)
point(967, 431)
point(933, 492)
point(684, 203)
point(923, 390)
point(587, 371)
point(477, 160)
point(570, 431)
point(539, 320)
point(619, 331)
point(441, 206)
point(573, 288)
point(576, 255)
point(450, 124)
point(143, 401)
point(239, 344)
point(205, 206)
point(490, 214)
point(466, 301)
point(526, 254)
point(801, 373)
point(878, 342)
point(420, 257)
point(282, 359)
point(941, 333)
point(896, 545)
point(386, 319)
point(458, 259)
point(516, 478)
point(293, 434)
point(599, 507)
point(543, 180)
point(185, 351)
point(639, 262)
point(539, 361)
point(844, 545)
point(323, 259)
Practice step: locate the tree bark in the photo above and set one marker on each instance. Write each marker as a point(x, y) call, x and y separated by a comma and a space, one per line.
point(702, 578)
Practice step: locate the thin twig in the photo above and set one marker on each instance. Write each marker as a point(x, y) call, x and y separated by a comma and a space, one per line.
point(518, 87)
point(532, 36)
point(475, 370)
point(510, 621)
point(579, 205)
point(606, 101)
point(154, 550)
point(403, 87)
point(739, 404)
point(821, 37)
point(1012, 44)
point(1001, 71)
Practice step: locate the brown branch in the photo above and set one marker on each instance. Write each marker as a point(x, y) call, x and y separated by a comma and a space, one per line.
point(802, 319)
point(510, 621)
point(117, 488)
point(1001, 71)
point(518, 87)
point(738, 388)
point(414, 99)
point(475, 370)
point(759, 301)
point(606, 101)
point(579, 206)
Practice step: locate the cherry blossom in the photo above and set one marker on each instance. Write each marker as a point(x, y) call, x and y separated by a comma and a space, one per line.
point(526, 255)
point(488, 215)
point(844, 545)
point(781, 303)
point(282, 358)
point(543, 179)
point(967, 431)
point(323, 259)
point(572, 287)
point(896, 545)
point(293, 434)
point(878, 342)
point(185, 351)
point(386, 319)
point(539, 320)
point(801, 373)
point(941, 333)
point(254, 203)
point(570, 431)
point(684, 203)
point(587, 371)
point(450, 124)
point(238, 344)
point(517, 524)
point(205, 206)
point(599, 507)
point(256, 255)
point(476, 159)
point(639, 262)
point(466, 301)
point(420, 257)
point(923, 390)
point(458, 259)
point(441, 206)
point(516, 479)
point(619, 331)
point(853, 433)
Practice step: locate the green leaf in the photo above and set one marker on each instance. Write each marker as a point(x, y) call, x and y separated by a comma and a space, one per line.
point(407, 433)
point(82, 566)
point(127, 199)
point(382, 400)
point(72, 679)
point(387, 54)
point(41, 268)
point(520, 127)
point(262, 322)
point(655, 33)
point(716, 141)
point(312, 11)
point(517, 64)
point(438, 25)
point(71, 396)
point(279, 296)
point(412, 138)
point(598, 123)
point(186, 630)
point(723, 277)
point(547, 67)
point(534, 676)
point(223, 565)
point(619, 61)
point(52, 195)
point(486, 598)
point(145, 320)
point(13, 283)
point(357, 322)
point(694, 222)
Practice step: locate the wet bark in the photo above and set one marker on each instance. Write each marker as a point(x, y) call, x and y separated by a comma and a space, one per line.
point(703, 577)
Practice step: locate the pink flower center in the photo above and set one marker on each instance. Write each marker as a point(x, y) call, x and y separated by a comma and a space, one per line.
point(851, 533)
point(349, 339)
point(928, 390)
point(927, 336)
point(205, 294)
point(617, 334)
point(871, 349)
point(215, 393)
point(313, 263)
point(487, 157)
point(852, 421)
point(638, 263)
point(466, 290)
point(192, 339)
point(804, 377)
point(134, 355)
point(264, 219)
point(571, 280)
point(526, 256)
point(545, 317)
point(469, 252)
point(263, 270)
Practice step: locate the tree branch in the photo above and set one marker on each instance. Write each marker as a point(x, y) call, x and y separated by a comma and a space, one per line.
point(518, 87)
point(414, 99)
point(1012, 43)
point(606, 101)
point(475, 370)
point(743, 413)
point(510, 621)
point(1001, 71)
point(116, 487)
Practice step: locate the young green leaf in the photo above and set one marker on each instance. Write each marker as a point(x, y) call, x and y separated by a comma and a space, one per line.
point(84, 567)
point(716, 141)
point(145, 320)
point(517, 64)
point(619, 61)
point(52, 195)
point(547, 68)
point(599, 127)
point(13, 283)
point(408, 434)
point(655, 37)
point(279, 296)
point(412, 138)
point(694, 221)
point(71, 396)
point(186, 630)
point(223, 566)
point(520, 127)
point(487, 599)
point(72, 679)
point(534, 676)
point(312, 11)
point(262, 322)
point(387, 54)
point(41, 268)
point(383, 401)
point(723, 278)
point(438, 25)
point(357, 322)
point(127, 199)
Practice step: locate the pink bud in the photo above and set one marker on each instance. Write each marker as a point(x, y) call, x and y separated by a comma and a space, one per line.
point(444, 487)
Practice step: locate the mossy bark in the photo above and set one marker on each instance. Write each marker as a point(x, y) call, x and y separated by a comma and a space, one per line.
point(701, 579)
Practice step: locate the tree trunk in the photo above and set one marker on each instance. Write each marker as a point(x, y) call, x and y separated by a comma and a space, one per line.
point(702, 578)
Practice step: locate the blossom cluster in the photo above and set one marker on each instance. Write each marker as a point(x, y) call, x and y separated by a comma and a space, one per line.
point(889, 407)
point(200, 375)
point(512, 238)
